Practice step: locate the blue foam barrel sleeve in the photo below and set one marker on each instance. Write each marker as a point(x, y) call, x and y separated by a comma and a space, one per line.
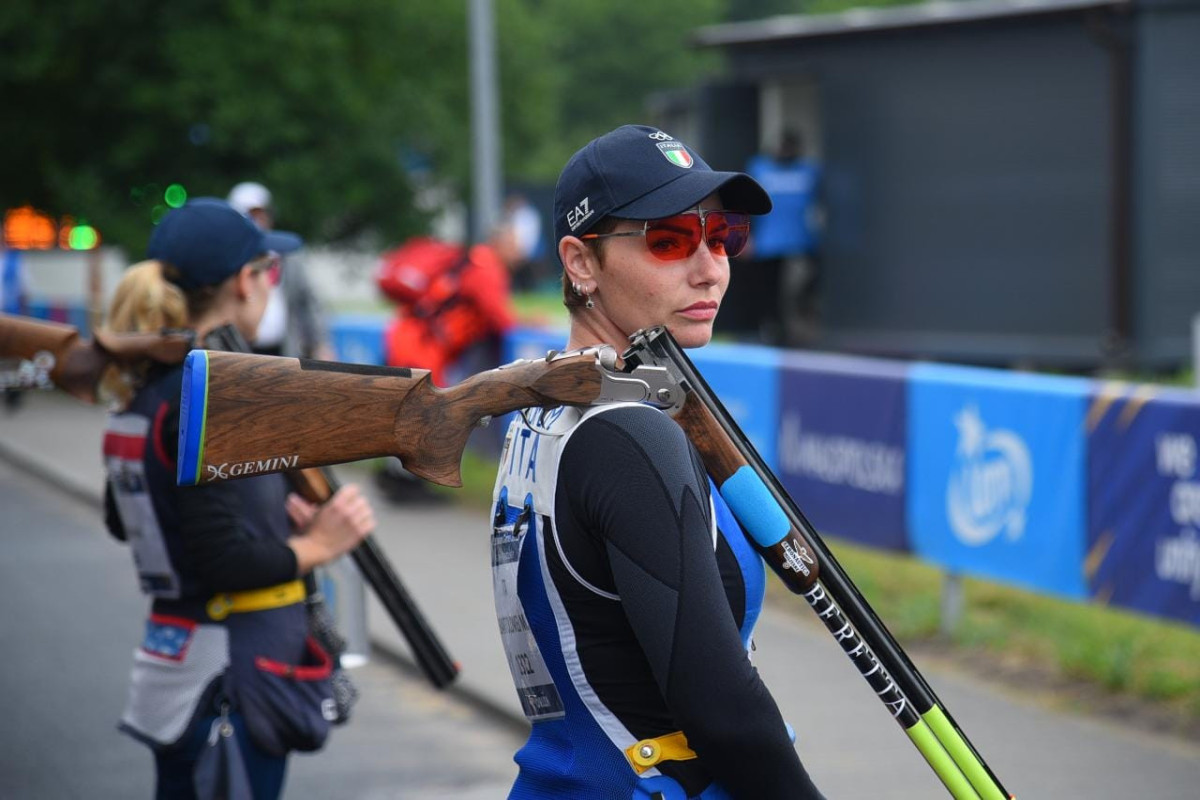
point(755, 507)
point(193, 404)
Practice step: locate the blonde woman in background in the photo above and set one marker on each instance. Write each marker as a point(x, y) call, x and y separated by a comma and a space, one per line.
point(227, 680)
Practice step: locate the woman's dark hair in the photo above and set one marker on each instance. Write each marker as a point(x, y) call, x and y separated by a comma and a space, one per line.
point(605, 225)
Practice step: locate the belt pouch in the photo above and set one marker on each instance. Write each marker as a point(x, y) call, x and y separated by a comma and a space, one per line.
point(286, 700)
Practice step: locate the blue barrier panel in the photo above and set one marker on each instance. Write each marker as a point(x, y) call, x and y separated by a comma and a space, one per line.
point(746, 379)
point(531, 343)
point(78, 316)
point(842, 436)
point(358, 338)
point(12, 282)
point(68, 313)
point(996, 474)
point(1143, 547)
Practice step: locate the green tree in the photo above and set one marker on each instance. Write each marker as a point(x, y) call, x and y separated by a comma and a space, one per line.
point(612, 55)
point(323, 101)
point(338, 107)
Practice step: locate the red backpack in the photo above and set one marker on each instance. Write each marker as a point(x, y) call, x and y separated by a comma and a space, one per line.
point(421, 275)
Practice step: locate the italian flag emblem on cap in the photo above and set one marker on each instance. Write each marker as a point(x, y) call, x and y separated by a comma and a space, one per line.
point(676, 154)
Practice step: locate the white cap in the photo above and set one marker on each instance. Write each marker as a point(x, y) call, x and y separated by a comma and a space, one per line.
point(249, 195)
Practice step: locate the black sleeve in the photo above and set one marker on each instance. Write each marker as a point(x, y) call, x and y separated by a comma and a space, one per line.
point(655, 517)
point(112, 519)
point(220, 552)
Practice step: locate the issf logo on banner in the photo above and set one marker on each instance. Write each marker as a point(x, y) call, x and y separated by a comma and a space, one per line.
point(996, 478)
point(990, 483)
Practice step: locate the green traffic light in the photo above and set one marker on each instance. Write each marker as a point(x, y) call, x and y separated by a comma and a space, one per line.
point(83, 237)
point(175, 195)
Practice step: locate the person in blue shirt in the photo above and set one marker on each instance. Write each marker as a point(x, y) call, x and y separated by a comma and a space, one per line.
point(784, 246)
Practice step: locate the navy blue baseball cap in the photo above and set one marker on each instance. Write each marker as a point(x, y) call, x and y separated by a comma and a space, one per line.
point(207, 241)
point(640, 172)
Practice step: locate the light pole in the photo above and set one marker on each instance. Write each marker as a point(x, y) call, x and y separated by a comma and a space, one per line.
point(485, 121)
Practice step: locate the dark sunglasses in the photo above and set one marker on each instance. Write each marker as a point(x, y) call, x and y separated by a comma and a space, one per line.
point(678, 237)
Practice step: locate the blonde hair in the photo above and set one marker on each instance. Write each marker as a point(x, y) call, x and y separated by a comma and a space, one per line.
point(144, 301)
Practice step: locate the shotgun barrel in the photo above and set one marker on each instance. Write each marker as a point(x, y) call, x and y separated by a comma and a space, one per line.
point(784, 537)
point(317, 486)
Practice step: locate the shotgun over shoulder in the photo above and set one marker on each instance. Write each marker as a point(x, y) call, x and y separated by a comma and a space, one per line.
point(60, 357)
point(245, 415)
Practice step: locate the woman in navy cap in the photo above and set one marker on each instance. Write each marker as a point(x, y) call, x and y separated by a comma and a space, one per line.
point(626, 592)
point(227, 680)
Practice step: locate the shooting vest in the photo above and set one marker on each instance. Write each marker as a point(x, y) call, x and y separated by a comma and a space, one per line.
point(578, 747)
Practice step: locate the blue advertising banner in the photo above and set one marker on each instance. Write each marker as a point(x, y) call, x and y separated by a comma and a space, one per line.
point(746, 379)
point(842, 436)
point(996, 474)
point(1143, 546)
point(74, 314)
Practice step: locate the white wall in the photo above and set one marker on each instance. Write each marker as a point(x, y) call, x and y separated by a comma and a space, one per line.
point(64, 277)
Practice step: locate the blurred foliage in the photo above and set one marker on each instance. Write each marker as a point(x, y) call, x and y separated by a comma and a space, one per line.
point(343, 109)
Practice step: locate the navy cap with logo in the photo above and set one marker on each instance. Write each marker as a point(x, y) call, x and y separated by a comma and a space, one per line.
point(640, 172)
point(206, 240)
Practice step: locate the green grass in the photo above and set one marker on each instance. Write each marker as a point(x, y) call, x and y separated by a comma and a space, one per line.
point(1085, 654)
point(479, 479)
point(542, 309)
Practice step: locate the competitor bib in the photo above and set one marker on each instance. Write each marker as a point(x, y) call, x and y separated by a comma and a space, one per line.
point(511, 529)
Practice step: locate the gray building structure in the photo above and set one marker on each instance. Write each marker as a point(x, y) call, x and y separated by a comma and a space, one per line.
point(1006, 181)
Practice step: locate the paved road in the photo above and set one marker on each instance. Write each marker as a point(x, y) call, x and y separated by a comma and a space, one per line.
point(852, 747)
point(67, 659)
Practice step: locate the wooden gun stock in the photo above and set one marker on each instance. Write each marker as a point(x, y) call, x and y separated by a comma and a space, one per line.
point(75, 364)
point(247, 415)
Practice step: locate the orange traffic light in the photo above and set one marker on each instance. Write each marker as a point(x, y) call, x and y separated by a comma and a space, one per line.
point(26, 228)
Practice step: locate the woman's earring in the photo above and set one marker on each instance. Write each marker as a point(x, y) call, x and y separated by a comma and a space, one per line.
point(589, 303)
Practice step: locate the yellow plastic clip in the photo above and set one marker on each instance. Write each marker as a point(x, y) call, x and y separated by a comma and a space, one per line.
point(219, 607)
point(649, 753)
